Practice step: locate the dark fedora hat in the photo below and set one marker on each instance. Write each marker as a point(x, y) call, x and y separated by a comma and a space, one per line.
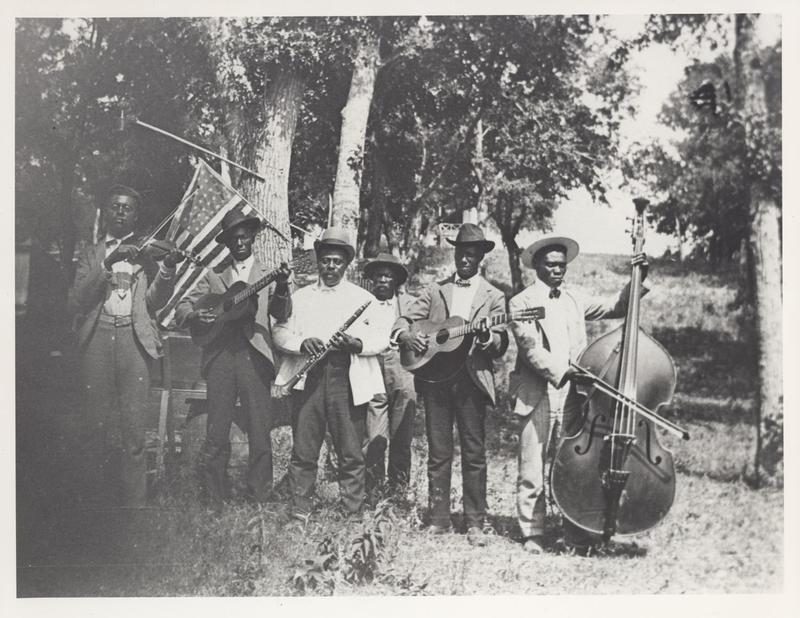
point(471, 234)
point(234, 219)
point(336, 237)
point(387, 259)
point(569, 246)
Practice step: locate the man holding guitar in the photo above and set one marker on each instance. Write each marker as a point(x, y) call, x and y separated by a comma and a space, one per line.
point(238, 361)
point(467, 394)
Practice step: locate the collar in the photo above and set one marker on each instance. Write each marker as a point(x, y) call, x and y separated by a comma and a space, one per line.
point(245, 263)
point(465, 283)
point(388, 301)
point(329, 289)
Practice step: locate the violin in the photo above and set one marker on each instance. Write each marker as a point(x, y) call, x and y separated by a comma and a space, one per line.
point(157, 250)
point(613, 476)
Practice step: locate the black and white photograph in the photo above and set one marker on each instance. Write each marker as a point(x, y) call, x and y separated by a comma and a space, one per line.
point(431, 302)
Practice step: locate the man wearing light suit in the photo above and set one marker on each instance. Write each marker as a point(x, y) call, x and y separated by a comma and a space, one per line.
point(239, 363)
point(539, 382)
point(467, 397)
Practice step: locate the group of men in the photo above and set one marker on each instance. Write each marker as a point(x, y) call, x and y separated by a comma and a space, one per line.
point(358, 393)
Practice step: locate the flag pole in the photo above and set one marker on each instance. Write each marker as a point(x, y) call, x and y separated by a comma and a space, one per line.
point(147, 125)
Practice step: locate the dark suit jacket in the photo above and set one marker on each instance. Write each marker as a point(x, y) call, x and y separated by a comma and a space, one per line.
point(434, 304)
point(149, 292)
point(257, 332)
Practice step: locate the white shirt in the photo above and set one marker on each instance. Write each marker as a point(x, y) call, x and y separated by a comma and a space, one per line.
point(319, 311)
point(240, 271)
point(463, 295)
point(119, 300)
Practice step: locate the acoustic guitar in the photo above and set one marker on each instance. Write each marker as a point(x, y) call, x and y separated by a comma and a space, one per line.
point(238, 300)
point(449, 343)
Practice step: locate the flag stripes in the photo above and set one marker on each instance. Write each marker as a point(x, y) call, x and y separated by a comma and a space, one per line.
point(194, 229)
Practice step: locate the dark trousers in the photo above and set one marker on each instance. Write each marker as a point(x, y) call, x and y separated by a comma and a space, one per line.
point(116, 385)
point(390, 418)
point(461, 401)
point(238, 372)
point(326, 402)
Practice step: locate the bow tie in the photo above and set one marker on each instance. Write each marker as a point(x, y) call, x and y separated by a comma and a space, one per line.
point(463, 283)
point(555, 293)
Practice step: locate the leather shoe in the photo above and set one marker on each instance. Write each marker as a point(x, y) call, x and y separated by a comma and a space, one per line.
point(476, 537)
point(533, 545)
point(437, 529)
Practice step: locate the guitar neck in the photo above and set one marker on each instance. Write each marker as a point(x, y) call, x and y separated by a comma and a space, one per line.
point(259, 285)
point(254, 288)
point(471, 327)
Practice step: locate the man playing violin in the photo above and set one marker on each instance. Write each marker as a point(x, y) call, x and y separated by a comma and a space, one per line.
point(116, 292)
point(467, 397)
point(540, 381)
point(239, 363)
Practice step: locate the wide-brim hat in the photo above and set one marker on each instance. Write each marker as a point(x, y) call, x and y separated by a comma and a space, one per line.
point(471, 234)
point(336, 237)
point(570, 247)
point(234, 219)
point(389, 260)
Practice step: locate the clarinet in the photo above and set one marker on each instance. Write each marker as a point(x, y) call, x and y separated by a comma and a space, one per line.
point(314, 360)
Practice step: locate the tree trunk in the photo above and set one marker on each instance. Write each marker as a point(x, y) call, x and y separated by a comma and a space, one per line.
point(270, 156)
point(346, 192)
point(515, 268)
point(679, 231)
point(765, 241)
point(377, 208)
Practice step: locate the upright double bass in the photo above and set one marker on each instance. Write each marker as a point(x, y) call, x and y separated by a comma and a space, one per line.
point(612, 476)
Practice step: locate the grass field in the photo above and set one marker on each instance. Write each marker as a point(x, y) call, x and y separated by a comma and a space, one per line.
point(721, 536)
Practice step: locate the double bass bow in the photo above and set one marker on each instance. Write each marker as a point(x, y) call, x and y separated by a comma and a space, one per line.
point(612, 476)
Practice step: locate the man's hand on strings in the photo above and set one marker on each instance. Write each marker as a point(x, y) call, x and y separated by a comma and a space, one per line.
point(640, 259)
point(173, 258)
point(484, 335)
point(203, 316)
point(415, 341)
point(120, 254)
point(282, 275)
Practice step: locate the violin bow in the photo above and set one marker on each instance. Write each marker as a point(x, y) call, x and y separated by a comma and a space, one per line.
point(609, 390)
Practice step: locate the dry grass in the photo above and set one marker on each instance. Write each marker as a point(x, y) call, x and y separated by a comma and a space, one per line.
point(720, 536)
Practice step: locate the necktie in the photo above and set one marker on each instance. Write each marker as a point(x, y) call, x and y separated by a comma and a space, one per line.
point(463, 283)
point(555, 293)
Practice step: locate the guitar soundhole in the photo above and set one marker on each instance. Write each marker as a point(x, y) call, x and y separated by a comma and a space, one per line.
point(226, 306)
point(441, 336)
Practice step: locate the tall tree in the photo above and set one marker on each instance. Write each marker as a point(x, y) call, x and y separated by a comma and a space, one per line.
point(756, 114)
point(765, 236)
point(349, 170)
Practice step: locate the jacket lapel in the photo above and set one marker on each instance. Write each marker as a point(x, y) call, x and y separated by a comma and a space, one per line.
point(479, 300)
point(257, 272)
point(446, 292)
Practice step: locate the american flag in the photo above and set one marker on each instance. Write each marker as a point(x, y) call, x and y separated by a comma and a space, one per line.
point(196, 223)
